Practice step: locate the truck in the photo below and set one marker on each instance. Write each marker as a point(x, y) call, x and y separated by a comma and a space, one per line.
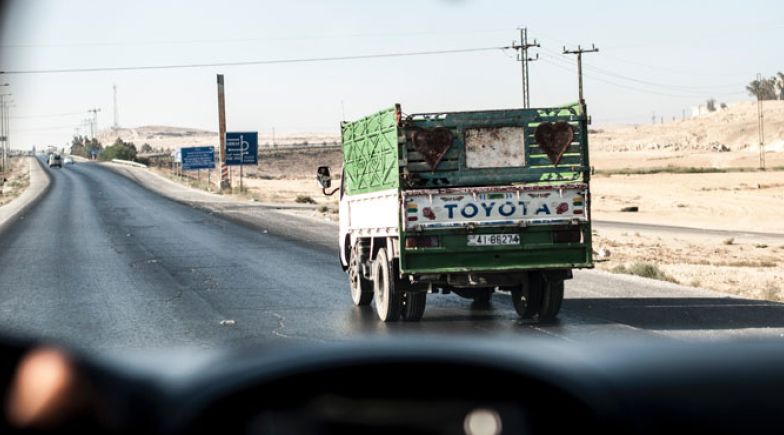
point(467, 203)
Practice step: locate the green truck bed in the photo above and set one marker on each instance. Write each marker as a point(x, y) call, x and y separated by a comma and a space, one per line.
point(489, 160)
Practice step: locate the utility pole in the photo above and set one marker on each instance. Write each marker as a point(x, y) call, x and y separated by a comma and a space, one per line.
point(7, 149)
point(86, 125)
point(116, 124)
point(583, 108)
point(522, 57)
point(760, 126)
point(579, 52)
point(4, 130)
point(94, 123)
point(224, 170)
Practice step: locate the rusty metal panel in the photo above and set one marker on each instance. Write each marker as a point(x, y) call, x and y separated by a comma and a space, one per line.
point(554, 139)
point(495, 147)
point(432, 144)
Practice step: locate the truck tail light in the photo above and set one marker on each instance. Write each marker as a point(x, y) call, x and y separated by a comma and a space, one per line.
point(422, 242)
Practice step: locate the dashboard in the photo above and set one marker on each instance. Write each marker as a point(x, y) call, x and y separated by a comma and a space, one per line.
point(426, 386)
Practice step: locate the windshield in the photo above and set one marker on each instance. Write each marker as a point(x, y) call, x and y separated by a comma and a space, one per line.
point(186, 212)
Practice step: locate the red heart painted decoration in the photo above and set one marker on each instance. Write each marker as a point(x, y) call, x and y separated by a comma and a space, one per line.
point(554, 139)
point(432, 144)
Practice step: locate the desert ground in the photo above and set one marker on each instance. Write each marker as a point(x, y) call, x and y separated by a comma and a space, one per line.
point(699, 173)
point(17, 178)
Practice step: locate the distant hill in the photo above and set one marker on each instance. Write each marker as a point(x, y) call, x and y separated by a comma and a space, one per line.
point(169, 138)
point(733, 128)
point(730, 129)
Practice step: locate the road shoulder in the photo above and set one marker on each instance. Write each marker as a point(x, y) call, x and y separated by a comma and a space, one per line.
point(282, 220)
point(294, 224)
point(39, 185)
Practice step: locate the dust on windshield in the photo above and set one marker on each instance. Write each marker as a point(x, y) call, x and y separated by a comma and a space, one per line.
point(260, 172)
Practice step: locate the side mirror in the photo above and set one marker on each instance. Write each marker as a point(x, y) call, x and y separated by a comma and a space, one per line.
point(323, 177)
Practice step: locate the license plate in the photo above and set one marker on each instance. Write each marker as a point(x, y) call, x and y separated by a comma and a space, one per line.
point(493, 239)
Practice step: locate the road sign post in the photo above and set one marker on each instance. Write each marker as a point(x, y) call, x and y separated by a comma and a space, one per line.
point(197, 158)
point(242, 148)
point(224, 178)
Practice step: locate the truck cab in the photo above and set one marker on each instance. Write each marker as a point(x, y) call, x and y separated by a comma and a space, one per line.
point(467, 203)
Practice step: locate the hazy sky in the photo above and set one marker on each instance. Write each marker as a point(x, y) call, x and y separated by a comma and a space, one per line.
point(656, 56)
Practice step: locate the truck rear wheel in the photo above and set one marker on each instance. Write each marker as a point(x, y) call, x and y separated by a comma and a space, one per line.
point(414, 305)
point(539, 297)
point(526, 300)
point(361, 289)
point(552, 293)
point(385, 288)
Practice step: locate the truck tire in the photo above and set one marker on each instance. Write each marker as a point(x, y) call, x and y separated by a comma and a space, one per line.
point(361, 289)
point(385, 289)
point(552, 293)
point(526, 300)
point(414, 305)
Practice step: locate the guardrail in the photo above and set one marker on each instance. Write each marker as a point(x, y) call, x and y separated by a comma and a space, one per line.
point(129, 163)
point(285, 149)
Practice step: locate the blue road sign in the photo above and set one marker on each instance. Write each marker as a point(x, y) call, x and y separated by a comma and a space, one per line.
point(242, 148)
point(198, 157)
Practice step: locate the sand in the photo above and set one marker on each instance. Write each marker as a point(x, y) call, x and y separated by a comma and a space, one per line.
point(18, 178)
point(731, 200)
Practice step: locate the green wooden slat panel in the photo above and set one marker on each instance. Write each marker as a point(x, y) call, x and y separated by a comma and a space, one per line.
point(530, 133)
point(444, 165)
point(370, 149)
point(543, 160)
point(452, 154)
point(573, 149)
point(527, 175)
point(378, 153)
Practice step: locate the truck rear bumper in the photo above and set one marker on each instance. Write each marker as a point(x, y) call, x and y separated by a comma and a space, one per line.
point(540, 248)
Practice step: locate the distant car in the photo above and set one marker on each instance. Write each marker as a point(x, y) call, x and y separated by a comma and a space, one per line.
point(55, 160)
point(68, 160)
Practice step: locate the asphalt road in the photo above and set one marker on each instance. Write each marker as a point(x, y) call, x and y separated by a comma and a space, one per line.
point(105, 264)
point(674, 229)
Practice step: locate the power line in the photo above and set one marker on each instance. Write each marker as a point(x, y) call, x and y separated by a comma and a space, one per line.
point(662, 85)
point(64, 127)
point(258, 62)
point(676, 87)
point(239, 40)
point(54, 115)
point(561, 63)
point(549, 61)
point(690, 72)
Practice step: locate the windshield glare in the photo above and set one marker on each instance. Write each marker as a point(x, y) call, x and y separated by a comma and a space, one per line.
point(595, 179)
